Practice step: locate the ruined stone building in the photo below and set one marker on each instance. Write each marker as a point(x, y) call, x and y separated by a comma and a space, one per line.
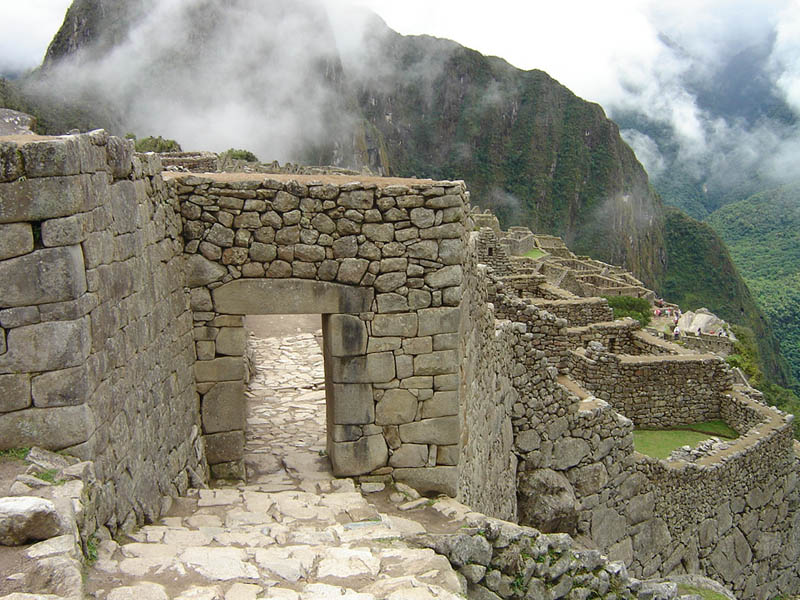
point(451, 362)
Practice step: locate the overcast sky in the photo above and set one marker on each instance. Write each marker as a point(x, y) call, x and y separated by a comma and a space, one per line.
point(591, 46)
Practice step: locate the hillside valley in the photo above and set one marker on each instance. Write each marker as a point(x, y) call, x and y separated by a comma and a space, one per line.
point(528, 148)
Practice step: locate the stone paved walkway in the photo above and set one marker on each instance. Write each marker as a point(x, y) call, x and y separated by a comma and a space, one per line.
point(293, 531)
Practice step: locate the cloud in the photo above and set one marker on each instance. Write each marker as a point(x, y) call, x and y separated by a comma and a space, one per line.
point(26, 29)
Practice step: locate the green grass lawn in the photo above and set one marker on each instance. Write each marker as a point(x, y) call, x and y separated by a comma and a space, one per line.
point(535, 253)
point(659, 443)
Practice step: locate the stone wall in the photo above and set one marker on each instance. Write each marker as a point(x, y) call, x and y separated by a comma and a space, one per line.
point(579, 311)
point(383, 263)
point(96, 347)
point(654, 391)
point(487, 464)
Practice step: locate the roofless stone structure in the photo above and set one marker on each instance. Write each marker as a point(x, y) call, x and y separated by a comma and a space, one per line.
point(450, 363)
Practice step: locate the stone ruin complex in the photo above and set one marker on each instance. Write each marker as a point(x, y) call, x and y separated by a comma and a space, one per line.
point(451, 362)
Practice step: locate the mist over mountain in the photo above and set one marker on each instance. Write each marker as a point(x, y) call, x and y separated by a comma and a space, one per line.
point(717, 120)
point(318, 82)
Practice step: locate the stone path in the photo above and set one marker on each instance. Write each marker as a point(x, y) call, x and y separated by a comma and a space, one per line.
point(293, 531)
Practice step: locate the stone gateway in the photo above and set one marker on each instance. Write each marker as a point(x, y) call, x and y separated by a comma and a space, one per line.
point(451, 362)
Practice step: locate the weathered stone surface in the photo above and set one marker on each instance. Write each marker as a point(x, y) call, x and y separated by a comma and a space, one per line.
point(409, 455)
point(144, 591)
point(15, 392)
point(351, 270)
point(224, 447)
point(357, 458)
point(373, 368)
point(568, 452)
point(47, 275)
point(399, 325)
point(201, 271)
point(547, 501)
point(436, 363)
point(15, 239)
point(231, 341)
point(445, 277)
point(438, 320)
point(443, 404)
point(440, 430)
point(67, 387)
point(46, 346)
point(608, 526)
point(65, 231)
point(28, 519)
point(223, 407)
point(358, 199)
point(396, 407)
point(229, 368)
point(50, 428)
point(352, 404)
point(441, 480)
point(41, 198)
point(346, 335)
point(254, 297)
point(200, 300)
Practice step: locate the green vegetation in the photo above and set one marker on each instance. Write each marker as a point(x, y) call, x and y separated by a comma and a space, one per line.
point(238, 154)
point(154, 144)
point(746, 358)
point(91, 550)
point(49, 475)
point(706, 594)
point(535, 253)
point(628, 306)
point(659, 443)
point(701, 273)
point(763, 234)
point(15, 453)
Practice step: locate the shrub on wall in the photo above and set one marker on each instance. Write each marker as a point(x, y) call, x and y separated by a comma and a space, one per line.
point(238, 154)
point(154, 144)
point(628, 306)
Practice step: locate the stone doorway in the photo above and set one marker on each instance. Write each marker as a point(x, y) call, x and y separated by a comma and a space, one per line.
point(347, 370)
point(285, 436)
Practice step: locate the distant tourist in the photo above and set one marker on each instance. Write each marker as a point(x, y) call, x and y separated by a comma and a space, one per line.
point(676, 332)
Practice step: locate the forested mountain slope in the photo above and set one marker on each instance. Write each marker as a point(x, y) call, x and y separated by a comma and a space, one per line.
point(763, 234)
point(280, 77)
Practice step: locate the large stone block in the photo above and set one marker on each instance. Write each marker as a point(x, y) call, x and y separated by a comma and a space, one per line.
point(51, 158)
point(436, 363)
point(49, 428)
point(68, 387)
point(29, 519)
point(359, 199)
point(15, 239)
point(231, 341)
point(40, 199)
point(119, 155)
point(445, 277)
point(357, 458)
point(346, 335)
point(547, 501)
point(228, 368)
point(372, 368)
point(47, 346)
point(396, 407)
point(11, 166)
point(430, 480)
point(41, 277)
point(15, 392)
point(64, 231)
point(201, 271)
point(399, 325)
point(224, 447)
point(410, 455)
point(568, 452)
point(290, 296)
point(438, 320)
point(223, 407)
point(352, 404)
point(440, 430)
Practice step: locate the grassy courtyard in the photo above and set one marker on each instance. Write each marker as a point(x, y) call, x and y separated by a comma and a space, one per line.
point(659, 443)
point(535, 253)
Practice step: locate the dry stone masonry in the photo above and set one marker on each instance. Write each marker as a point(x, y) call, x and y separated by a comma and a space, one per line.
point(450, 363)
